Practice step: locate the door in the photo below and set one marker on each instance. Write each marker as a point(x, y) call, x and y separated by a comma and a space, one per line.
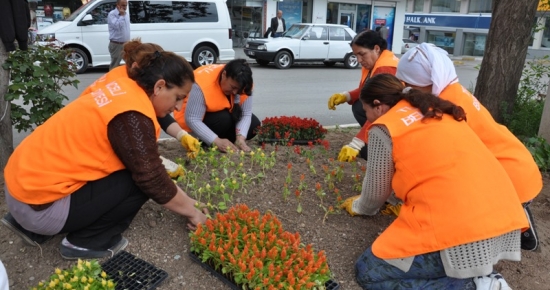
point(96, 35)
point(315, 45)
point(347, 18)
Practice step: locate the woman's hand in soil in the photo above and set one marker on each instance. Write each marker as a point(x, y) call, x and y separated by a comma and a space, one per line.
point(224, 145)
point(348, 205)
point(199, 218)
point(241, 143)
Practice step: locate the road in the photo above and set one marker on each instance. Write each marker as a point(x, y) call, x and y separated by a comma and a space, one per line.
point(302, 90)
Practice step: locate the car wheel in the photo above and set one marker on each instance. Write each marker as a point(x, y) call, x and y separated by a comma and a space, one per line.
point(350, 61)
point(262, 62)
point(329, 63)
point(204, 55)
point(283, 60)
point(78, 58)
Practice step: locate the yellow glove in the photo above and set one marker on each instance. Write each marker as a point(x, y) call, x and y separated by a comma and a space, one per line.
point(172, 168)
point(349, 152)
point(391, 209)
point(348, 205)
point(190, 144)
point(337, 99)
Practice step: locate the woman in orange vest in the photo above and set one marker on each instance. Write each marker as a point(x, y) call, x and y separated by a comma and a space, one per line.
point(429, 68)
point(372, 53)
point(460, 212)
point(219, 108)
point(131, 51)
point(88, 169)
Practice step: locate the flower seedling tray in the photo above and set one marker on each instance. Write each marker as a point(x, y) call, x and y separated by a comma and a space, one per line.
point(330, 284)
point(133, 273)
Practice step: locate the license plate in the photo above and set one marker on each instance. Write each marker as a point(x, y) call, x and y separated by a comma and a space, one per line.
point(250, 53)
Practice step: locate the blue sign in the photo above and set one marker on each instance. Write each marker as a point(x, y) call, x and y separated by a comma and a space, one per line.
point(466, 21)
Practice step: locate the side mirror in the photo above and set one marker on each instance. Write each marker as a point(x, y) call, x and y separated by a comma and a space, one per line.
point(87, 20)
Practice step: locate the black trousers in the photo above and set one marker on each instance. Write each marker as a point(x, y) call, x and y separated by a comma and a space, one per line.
point(223, 125)
point(358, 112)
point(102, 210)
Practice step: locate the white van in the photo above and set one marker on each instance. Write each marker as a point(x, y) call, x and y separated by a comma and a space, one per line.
point(199, 30)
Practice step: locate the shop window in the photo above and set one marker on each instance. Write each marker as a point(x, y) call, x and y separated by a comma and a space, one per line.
point(546, 34)
point(418, 6)
point(445, 6)
point(480, 6)
point(444, 40)
point(474, 44)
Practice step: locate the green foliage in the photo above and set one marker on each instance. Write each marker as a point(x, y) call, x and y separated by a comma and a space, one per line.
point(524, 119)
point(37, 78)
point(540, 149)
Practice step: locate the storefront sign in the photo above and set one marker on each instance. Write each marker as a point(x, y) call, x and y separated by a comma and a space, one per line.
point(467, 21)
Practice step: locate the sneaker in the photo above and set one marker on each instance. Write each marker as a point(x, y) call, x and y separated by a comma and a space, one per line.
point(72, 252)
point(529, 238)
point(28, 237)
point(487, 283)
point(503, 284)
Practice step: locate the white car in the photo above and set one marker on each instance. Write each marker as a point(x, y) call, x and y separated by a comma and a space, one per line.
point(408, 44)
point(305, 42)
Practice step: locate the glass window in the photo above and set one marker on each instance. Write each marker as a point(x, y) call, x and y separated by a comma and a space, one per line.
point(318, 33)
point(474, 44)
point(337, 33)
point(480, 6)
point(100, 12)
point(172, 12)
point(445, 40)
point(445, 6)
point(418, 6)
point(546, 33)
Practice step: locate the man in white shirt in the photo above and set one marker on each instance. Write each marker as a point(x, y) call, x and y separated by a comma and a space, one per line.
point(278, 25)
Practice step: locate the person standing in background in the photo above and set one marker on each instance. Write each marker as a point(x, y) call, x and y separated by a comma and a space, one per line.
point(15, 20)
point(278, 25)
point(119, 31)
point(383, 31)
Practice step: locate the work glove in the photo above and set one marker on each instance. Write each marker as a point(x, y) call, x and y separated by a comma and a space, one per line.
point(338, 99)
point(391, 209)
point(190, 144)
point(349, 152)
point(172, 168)
point(348, 205)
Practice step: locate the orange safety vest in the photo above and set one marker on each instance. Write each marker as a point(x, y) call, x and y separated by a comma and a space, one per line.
point(118, 72)
point(207, 78)
point(453, 189)
point(72, 147)
point(387, 58)
point(510, 152)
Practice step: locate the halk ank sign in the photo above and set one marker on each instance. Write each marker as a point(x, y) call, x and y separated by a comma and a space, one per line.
point(462, 21)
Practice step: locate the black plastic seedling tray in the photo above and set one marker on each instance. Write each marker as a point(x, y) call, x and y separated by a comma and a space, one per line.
point(132, 273)
point(330, 284)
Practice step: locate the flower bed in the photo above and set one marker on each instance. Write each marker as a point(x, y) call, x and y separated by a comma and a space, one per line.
point(255, 252)
point(291, 130)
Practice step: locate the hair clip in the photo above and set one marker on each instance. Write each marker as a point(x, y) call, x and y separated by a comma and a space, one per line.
point(406, 90)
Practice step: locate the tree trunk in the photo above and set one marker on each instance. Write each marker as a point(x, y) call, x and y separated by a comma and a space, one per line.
point(505, 52)
point(6, 133)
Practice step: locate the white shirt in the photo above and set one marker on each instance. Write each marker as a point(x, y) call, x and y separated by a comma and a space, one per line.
point(280, 27)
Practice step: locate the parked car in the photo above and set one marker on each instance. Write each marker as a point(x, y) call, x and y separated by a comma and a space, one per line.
point(199, 30)
point(305, 42)
point(408, 44)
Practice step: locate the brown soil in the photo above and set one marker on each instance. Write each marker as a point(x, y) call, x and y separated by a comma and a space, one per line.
point(160, 237)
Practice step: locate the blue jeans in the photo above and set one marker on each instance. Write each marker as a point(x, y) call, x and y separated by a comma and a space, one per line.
point(426, 272)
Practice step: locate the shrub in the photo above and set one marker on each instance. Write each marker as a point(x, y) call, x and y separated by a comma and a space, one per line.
point(540, 150)
point(37, 77)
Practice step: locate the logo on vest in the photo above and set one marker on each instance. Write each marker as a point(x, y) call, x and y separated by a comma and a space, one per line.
point(100, 98)
point(114, 89)
point(475, 101)
point(411, 118)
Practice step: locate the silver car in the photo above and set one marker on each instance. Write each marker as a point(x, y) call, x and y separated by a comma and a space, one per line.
point(305, 42)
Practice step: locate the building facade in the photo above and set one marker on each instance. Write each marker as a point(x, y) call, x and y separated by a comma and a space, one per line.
point(461, 26)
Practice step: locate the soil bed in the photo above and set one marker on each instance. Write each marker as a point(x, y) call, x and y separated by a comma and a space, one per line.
point(161, 238)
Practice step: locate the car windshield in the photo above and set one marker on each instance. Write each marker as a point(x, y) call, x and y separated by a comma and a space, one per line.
point(296, 31)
